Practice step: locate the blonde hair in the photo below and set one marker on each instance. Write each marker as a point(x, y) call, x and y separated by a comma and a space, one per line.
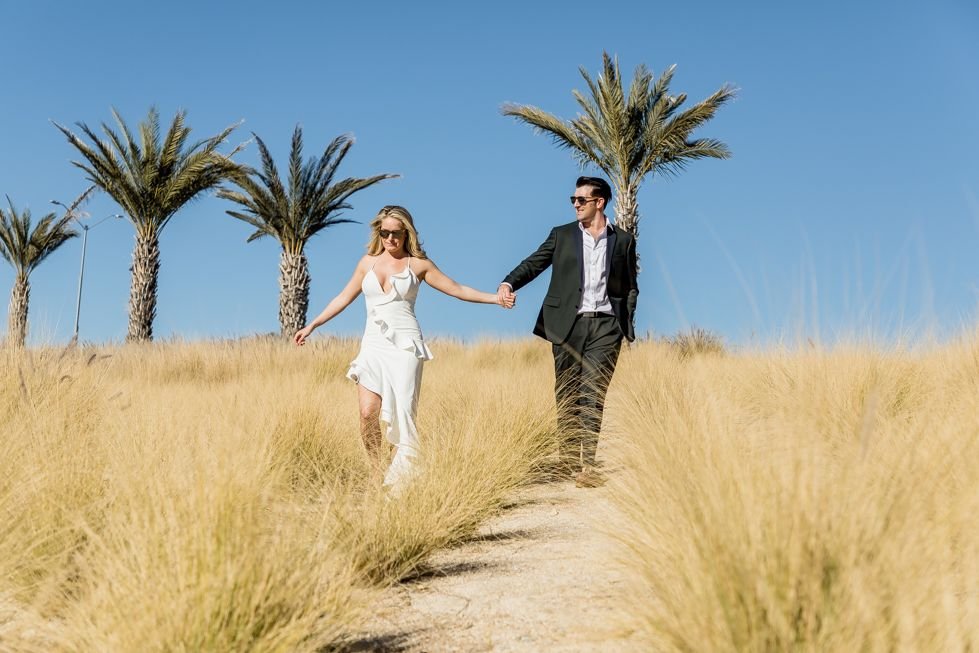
point(412, 244)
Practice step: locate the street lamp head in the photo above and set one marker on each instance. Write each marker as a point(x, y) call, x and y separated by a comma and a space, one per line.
point(108, 217)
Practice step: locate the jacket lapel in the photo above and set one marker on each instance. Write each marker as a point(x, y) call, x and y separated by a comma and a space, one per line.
point(609, 250)
point(578, 246)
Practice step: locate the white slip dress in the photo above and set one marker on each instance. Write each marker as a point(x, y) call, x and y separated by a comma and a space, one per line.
point(392, 354)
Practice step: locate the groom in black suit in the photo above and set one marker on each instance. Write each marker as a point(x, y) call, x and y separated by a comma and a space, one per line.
point(589, 308)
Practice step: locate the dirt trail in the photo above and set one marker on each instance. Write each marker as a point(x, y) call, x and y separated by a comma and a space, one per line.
point(537, 578)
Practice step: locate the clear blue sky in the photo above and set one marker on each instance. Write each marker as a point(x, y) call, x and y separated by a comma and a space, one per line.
point(851, 204)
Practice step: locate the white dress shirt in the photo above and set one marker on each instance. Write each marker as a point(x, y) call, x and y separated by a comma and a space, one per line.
point(594, 296)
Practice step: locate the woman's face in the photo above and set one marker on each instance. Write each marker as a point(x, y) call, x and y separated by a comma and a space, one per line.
point(392, 234)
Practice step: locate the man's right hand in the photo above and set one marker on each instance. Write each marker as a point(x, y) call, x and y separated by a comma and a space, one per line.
point(505, 296)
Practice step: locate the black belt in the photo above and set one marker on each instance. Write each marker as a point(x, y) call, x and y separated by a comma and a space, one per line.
point(594, 314)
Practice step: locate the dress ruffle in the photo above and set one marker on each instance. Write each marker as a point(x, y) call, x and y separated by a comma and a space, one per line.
point(404, 341)
point(361, 374)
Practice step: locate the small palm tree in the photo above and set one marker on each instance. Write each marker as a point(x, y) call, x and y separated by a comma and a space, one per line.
point(25, 246)
point(631, 136)
point(294, 214)
point(150, 180)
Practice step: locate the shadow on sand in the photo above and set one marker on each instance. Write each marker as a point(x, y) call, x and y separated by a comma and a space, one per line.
point(501, 536)
point(429, 572)
point(386, 643)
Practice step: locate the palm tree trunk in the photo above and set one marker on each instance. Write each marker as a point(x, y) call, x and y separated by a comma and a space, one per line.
point(20, 296)
point(143, 287)
point(293, 292)
point(627, 210)
point(627, 214)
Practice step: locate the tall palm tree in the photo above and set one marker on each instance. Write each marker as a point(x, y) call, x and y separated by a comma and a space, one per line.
point(294, 214)
point(629, 136)
point(150, 180)
point(25, 246)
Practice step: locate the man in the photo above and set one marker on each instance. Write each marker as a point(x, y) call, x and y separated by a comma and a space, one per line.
point(589, 308)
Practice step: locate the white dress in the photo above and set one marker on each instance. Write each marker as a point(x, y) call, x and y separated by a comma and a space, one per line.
point(390, 361)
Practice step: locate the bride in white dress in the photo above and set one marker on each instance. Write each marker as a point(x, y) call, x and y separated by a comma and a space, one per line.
point(388, 369)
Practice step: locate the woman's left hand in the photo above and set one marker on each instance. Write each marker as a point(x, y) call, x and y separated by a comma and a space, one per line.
point(507, 301)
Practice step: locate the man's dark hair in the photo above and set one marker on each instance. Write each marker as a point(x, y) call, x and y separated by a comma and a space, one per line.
point(602, 189)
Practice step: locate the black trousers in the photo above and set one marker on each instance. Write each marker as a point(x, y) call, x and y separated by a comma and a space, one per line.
point(583, 367)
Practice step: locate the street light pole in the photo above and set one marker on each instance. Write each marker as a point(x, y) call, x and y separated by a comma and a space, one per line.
point(81, 275)
point(81, 272)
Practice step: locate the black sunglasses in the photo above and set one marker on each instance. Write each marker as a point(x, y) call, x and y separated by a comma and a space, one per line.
point(576, 199)
point(387, 233)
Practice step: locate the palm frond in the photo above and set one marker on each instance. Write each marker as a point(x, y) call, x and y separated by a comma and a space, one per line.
point(49, 234)
point(24, 244)
point(630, 135)
point(270, 174)
point(562, 133)
point(135, 154)
point(296, 161)
point(261, 227)
point(174, 142)
point(104, 170)
point(311, 202)
point(130, 163)
point(83, 197)
point(149, 138)
point(329, 162)
point(705, 148)
point(102, 155)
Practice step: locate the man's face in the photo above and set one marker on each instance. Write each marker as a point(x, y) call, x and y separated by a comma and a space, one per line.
point(586, 203)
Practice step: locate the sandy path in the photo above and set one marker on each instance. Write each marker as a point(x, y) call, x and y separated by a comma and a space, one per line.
point(537, 578)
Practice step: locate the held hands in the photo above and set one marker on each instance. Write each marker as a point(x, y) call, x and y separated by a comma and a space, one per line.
point(505, 296)
point(301, 335)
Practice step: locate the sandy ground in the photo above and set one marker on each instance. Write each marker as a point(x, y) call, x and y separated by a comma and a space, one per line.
point(537, 578)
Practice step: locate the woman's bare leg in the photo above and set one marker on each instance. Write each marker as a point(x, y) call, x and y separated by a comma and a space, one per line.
point(370, 426)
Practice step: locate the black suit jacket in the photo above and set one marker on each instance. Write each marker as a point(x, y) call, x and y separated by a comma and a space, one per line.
point(563, 251)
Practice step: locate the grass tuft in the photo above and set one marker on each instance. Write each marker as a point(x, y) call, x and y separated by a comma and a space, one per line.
point(216, 496)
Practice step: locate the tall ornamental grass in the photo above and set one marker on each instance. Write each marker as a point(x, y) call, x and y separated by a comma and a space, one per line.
point(216, 496)
point(800, 500)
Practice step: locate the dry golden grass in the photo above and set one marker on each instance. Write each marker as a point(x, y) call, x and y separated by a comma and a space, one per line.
point(216, 497)
point(801, 500)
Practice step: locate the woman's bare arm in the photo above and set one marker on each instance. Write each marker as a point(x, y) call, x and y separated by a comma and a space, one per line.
point(429, 272)
point(338, 303)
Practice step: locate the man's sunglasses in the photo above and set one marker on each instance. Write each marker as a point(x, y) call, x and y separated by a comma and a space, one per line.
point(386, 233)
point(577, 199)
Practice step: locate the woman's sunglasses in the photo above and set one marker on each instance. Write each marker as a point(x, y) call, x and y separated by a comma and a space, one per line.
point(387, 233)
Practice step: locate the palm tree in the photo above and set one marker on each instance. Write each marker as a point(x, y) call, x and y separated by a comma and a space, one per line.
point(294, 214)
point(151, 180)
point(24, 246)
point(631, 136)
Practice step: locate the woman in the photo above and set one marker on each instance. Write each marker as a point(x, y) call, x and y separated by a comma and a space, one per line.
point(388, 369)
